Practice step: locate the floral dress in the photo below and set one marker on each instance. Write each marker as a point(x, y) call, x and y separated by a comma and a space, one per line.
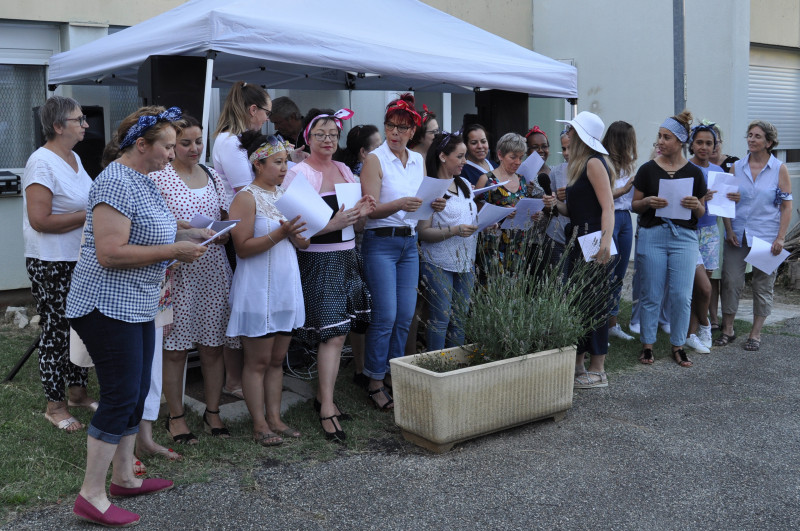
point(511, 240)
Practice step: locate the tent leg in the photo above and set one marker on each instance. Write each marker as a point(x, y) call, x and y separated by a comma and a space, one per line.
point(573, 104)
point(207, 102)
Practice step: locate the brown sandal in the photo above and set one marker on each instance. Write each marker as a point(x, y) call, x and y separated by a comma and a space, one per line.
point(724, 339)
point(680, 358)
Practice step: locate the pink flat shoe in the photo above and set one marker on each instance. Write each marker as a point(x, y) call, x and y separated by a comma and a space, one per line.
point(113, 517)
point(149, 486)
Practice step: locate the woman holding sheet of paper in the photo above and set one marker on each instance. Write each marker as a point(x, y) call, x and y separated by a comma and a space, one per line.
point(590, 207)
point(448, 242)
point(266, 294)
point(199, 290)
point(392, 174)
point(336, 297)
point(763, 210)
point(667, 249)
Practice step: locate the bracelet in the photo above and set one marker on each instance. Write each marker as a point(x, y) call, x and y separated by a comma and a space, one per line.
point(270, 239)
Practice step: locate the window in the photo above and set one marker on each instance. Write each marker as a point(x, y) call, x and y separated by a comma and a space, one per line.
point(22, 87)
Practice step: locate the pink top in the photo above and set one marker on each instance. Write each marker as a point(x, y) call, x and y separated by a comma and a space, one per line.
point(315, 179)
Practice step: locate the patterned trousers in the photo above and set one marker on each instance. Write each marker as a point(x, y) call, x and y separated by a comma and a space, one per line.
point(50, 285)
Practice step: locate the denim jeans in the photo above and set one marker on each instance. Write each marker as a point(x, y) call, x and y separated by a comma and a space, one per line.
point(636, 291)
point(448, 294)
point(666, 254)
point(623, 239)
point(123, 356)
point(391, 269)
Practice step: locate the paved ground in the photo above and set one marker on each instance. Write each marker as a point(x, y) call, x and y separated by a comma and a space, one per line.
point(711, 447)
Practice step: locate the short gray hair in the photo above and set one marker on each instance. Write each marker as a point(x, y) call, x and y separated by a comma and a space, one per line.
point(55, 111)
point(511, 143)
point(284, 107)
point(770, 132)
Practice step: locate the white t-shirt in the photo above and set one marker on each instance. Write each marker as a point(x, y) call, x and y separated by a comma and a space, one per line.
point(230, 162)
point(70, 194)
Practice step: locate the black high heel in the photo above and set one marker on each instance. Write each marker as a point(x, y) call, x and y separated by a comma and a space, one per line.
point(338, 435)
point(341, 416)
point(215, 432)
point(181, 438)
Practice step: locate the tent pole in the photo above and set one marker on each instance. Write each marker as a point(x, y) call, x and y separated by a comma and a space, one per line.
point(573, 105)
point(207, 101)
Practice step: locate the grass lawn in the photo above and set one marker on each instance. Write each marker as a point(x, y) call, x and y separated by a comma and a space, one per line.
point(43, 466)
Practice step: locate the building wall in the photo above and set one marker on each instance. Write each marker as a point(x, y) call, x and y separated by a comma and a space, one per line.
point(511, 19)
point(775, 22)
point(102, 12)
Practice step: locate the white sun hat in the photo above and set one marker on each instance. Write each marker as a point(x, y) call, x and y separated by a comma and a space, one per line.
point(590, 128)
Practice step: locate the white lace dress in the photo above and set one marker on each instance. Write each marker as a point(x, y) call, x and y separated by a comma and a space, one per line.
point(266, 294)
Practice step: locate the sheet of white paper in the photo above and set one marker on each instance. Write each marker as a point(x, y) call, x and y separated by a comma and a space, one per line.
point(526, 207)
point(491, 214)
point(590, 244)
point(200, 221)
point(530, 167)
point(211, 239)
point(673, 190)
point(430, 189)
point(349, 194)
point(718, 177)
point(301, 199)
point(479, 191)
point(720, 205)
point(761, 257)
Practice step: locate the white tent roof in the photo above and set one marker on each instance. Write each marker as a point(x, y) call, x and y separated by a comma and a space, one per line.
point(322, 44)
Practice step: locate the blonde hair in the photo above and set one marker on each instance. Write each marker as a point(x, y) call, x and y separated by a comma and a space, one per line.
point(234, 117)
point(579, 155)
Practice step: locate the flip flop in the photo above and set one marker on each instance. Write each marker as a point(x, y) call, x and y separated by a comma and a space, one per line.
point(64, 424)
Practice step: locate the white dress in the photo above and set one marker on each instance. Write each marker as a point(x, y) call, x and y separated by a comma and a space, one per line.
point(266, 294)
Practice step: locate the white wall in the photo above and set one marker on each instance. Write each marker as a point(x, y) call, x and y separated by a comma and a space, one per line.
point(625, 66)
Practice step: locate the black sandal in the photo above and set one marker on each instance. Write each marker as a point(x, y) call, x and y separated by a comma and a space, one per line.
point(337, 435)
point(215, 432)
point(646, 356)
point(341, 415)
point(181, 438)
point(724, 339)
point(390, 401)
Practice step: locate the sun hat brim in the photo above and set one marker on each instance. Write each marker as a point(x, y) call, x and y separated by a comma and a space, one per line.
point(589, 140)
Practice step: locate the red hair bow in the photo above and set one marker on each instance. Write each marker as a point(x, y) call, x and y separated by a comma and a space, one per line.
point(536, 129)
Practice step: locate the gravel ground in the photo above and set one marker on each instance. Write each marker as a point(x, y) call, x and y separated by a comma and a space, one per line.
point(711, 447)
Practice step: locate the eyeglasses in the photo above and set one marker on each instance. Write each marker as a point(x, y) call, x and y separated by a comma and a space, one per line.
point(400, 128)
point(269, 112)
point(80, 119)
point(322, 137)
point(433, 132)
point(537, 147)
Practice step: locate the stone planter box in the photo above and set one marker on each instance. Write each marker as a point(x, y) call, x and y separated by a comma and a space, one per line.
point(438, 410)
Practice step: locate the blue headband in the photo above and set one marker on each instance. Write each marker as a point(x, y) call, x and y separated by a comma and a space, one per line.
point(146, 122)
point(676, 128)
point(703, 127)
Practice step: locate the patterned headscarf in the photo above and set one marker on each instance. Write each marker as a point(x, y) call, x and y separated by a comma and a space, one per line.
point(268, 148)
point(676, 128)
point(337, 117)
point(146, 122)
point(705, 125)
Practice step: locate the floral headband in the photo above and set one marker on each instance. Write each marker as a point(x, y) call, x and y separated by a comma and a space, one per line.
point(676, 128)
point(268, 148)
point(535, 129)
point(404, 106)
point(426, 113)
point(337, 117)
point(705, 125)
point(146, 122)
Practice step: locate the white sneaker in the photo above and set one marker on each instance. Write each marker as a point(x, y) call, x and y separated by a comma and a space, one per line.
point(635, 328)
point(666, 328)
point(704, 334)
point(694, 343)
point(616, 331)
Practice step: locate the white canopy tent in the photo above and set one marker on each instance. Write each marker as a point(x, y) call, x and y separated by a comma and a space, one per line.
point(321, 44)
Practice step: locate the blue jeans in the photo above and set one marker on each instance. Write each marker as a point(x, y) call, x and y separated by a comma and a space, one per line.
point(623, 239)
point(123, 356)
point(448, 294)
point(666, 254)
point(636, 291)
point(391, 269)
